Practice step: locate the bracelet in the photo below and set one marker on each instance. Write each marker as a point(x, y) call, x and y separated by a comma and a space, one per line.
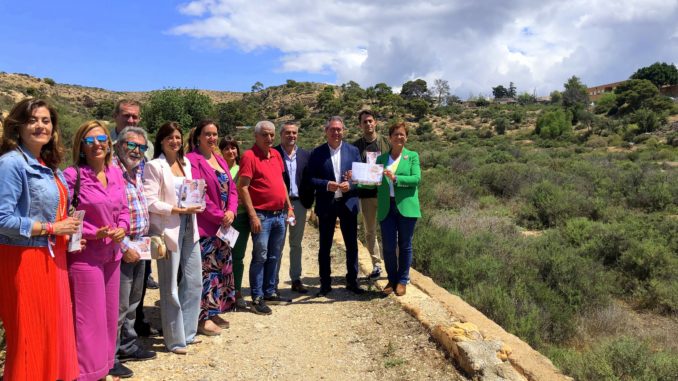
point(50, 228)
point(43, 229)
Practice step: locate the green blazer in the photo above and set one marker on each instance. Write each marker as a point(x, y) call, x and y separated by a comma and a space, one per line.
point(406, 188)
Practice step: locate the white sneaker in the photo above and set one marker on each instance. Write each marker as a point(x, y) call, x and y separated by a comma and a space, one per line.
point(376, 272)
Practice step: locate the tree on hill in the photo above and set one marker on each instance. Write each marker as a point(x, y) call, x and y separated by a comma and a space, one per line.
point(237, 113)
point(416, 89)
point(187, 107)
point(500, 92)
point(659, 73)
point(441, 89)
point(635, 94)
point(257, 87)
point(327, 103)
point(575, 97)
point(512, 90)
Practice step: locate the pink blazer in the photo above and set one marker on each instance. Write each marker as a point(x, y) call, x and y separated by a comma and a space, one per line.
point(161, 196)
point(210, 219)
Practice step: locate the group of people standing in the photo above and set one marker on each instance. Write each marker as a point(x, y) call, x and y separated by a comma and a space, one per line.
point(75, 314)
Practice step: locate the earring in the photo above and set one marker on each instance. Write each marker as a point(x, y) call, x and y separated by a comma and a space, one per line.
point(82, 154)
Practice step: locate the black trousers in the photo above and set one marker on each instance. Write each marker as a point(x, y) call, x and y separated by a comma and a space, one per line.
point(348, 221)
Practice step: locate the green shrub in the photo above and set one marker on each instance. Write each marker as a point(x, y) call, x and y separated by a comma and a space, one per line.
point(501, 124)
point(549, 205)
point(646, 120)
point(622, 359)
point(505, 180)
point(553, 124)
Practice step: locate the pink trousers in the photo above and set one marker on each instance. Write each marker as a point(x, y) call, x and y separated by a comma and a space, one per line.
point(95, 291)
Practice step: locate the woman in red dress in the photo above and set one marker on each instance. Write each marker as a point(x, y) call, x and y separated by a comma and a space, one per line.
point(36, 307)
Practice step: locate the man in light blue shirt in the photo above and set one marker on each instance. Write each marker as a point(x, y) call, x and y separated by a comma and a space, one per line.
point(301, 194)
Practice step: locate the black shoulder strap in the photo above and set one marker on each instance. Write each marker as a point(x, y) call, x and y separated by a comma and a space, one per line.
point(76, 189)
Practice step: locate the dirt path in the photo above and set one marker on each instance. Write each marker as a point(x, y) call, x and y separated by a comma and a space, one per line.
point(342, 337)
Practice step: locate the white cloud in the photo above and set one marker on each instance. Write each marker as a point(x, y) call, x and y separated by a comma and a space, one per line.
point(473, 44)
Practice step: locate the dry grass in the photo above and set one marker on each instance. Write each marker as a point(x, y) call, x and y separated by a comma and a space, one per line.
point(619, 319)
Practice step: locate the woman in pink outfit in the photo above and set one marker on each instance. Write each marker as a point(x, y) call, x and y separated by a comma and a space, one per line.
point(95, 271)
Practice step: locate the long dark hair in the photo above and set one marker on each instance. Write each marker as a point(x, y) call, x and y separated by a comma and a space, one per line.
point(166, 130)
point(51, 153)
point(198, 130)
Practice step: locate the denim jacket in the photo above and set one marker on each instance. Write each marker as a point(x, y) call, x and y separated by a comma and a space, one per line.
point(28, 193)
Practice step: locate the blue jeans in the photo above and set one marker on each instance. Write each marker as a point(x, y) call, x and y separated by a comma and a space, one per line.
point(266, 249)
point(397, 230)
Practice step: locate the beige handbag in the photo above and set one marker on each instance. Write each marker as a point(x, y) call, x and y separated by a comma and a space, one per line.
point(158, 247)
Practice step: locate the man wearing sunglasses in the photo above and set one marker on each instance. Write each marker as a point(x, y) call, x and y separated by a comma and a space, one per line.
point(129, 154)
point(127, 112)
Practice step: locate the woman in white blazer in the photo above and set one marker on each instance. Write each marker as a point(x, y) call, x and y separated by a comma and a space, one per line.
point(180, 275)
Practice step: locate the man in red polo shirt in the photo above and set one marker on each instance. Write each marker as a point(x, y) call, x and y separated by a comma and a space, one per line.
point(263, 192)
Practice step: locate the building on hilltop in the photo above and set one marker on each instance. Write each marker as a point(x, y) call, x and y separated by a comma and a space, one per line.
point(597, 91)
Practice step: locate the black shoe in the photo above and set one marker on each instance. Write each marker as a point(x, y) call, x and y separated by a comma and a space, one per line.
point(151, 283)
point(121, 371)
point(299, 287)
point(259, 307)
point(276, 299)
point(354, 288)
point(145, 330)
point(139, 355)
point(324, 291)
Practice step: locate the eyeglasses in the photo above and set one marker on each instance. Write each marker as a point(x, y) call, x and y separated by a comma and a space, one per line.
point(132, 146)
point(89, 140)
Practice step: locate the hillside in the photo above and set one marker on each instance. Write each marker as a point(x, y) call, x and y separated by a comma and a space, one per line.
point(15, 86)
point(557, 221)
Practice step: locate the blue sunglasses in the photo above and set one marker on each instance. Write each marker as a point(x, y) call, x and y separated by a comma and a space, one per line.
point(132, 146)
point(89, 140)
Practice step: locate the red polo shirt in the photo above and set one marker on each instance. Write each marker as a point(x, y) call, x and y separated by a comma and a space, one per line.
point(267, 187)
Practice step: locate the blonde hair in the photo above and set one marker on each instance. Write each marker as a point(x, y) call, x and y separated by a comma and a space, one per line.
point(80, 134)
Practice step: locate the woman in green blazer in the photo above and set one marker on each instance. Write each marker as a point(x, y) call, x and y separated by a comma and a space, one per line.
point(398, 207)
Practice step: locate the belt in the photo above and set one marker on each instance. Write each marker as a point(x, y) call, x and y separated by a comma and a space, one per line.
point(271, 212)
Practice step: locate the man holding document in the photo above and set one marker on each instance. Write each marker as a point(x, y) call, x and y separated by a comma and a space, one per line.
point(130, 149)
point(371, 145)
point(329, 170)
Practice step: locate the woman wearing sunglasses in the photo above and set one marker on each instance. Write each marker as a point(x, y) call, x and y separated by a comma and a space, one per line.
point(180, 275)
point(95, 271)
point(35, 300)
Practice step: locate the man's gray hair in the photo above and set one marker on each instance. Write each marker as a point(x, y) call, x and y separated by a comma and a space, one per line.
point(262, 124)
point(122, 138)
point(333, 119)
point(289, 123)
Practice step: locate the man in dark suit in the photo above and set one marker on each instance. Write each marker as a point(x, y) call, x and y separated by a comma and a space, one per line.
point(328, 169)
point(301, 194)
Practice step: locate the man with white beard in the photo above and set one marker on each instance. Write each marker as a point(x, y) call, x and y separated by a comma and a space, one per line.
point(129, 155)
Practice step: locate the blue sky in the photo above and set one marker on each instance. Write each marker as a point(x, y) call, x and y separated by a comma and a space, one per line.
point(127, 47)
point(231, 44)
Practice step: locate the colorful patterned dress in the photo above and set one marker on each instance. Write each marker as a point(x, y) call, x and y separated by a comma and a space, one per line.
point(218, 286)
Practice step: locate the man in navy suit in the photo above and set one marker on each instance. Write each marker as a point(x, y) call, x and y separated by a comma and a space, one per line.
point(328, 169)
point(295, 159)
